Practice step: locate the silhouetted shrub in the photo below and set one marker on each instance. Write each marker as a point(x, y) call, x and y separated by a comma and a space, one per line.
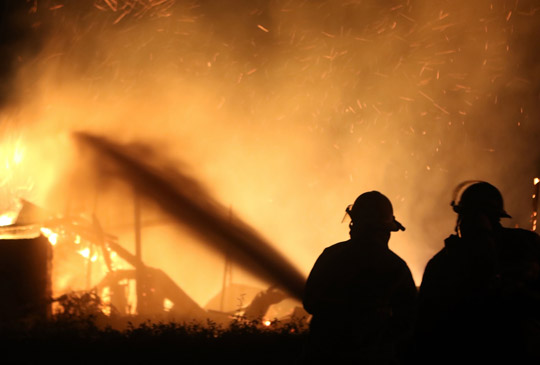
point(80, 333)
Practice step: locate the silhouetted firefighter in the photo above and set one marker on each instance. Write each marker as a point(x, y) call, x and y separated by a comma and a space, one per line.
point(362, 295)
point(479, 300)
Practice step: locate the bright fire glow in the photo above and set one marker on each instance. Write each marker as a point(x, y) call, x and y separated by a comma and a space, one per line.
point(7, 218)
point(13, 154)
point(18, 155)
point(536, 180)
point(51, 236)
point(85, 252)
point(105, 296)
point(15, 181)
point(46, 231)
point(267, 323)
point(167, 305)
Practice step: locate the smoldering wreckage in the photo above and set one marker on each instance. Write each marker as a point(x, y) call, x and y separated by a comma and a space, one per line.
point(29, 243)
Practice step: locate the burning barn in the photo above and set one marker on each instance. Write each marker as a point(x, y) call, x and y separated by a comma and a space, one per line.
point(27, 248)
point(84, 252)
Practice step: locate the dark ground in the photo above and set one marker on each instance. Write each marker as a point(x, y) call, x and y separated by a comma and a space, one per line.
point(81, 341)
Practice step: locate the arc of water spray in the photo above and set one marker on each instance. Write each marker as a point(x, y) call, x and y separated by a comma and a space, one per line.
point(189, 204)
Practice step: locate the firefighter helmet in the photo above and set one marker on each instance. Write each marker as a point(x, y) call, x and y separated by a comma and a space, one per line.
point(479, 196)
point(374, 210)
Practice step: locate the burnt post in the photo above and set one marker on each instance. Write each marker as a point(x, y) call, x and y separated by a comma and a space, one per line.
point(25, 280)
point(139, 269)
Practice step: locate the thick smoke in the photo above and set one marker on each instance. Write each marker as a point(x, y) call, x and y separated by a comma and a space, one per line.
point(288, 110)
point(19, 43)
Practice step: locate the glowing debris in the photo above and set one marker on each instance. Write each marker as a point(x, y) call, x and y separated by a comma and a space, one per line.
point(433, 102)
point(7, 219)
point(84, 252)
point(51, 236)
point(113, 4)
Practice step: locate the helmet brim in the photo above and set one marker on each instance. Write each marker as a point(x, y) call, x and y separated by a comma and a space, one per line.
point(505, 215)
point(396, 226)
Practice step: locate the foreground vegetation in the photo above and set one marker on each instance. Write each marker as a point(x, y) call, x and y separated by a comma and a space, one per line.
point(82, 334)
